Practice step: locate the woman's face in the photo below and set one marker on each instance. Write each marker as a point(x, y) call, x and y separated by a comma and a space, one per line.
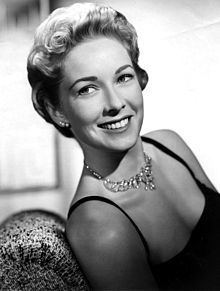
point(100, 95)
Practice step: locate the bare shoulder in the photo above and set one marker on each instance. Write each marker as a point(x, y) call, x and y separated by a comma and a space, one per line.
point(170, 139)
point(96, 217)
point(106, 245)
point(175, 143)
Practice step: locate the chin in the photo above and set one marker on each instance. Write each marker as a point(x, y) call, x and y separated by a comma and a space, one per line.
point(122, 144)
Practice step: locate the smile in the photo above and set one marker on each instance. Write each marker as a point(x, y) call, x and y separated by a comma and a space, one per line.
point(115, 125)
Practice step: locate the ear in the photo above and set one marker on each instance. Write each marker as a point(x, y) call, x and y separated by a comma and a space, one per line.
point(45, 109)
point(56, 115)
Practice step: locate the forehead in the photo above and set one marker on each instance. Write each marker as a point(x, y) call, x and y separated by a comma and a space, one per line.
point(94, 56)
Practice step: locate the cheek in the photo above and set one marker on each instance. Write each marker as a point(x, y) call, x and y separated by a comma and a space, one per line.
point(137, 97)
point(82, 114)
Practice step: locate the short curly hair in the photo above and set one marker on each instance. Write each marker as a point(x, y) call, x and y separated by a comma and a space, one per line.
point(63, 29)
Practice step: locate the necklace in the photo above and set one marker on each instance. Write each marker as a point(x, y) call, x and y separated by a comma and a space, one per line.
point(143, 176)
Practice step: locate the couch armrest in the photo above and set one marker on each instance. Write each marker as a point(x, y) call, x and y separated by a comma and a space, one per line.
point(35, 255)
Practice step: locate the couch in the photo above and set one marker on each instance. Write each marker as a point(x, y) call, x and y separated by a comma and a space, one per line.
point(35, 255)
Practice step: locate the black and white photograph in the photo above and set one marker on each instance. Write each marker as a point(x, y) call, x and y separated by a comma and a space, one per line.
point(109, 147)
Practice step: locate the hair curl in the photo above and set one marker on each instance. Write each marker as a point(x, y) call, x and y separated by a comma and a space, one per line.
point(63, 29)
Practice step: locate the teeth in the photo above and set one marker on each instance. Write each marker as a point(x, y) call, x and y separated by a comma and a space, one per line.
point(116, 125)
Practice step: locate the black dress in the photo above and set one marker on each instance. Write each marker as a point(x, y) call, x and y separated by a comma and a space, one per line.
point(197, 266)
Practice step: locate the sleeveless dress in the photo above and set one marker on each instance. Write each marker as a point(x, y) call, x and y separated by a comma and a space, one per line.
point(197, 266)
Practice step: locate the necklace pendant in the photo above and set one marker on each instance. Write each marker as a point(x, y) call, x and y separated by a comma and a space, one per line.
point(135, 184)
point(121, 187)
point(110, 185)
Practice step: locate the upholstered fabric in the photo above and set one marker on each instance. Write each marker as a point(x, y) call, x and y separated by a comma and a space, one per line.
point(35, 255)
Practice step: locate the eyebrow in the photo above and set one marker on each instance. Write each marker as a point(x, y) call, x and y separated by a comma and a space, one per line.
point(123, 68)
point(93, 78)
point(89, 78)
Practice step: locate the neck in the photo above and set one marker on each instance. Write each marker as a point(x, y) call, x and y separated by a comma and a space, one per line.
point(115, 165)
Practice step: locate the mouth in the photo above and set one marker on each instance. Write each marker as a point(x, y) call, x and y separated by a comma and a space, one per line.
point(116, 124)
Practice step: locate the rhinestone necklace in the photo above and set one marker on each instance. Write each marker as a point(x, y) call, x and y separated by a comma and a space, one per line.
point(144, 176)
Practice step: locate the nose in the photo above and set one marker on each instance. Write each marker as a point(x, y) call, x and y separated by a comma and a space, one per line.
point(114, 102)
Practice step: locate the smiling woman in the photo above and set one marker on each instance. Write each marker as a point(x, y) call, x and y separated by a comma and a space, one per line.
point(144, 214)
point(95, 101)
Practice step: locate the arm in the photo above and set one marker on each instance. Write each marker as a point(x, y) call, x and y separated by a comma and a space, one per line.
point(175, 143)
point(108, 248)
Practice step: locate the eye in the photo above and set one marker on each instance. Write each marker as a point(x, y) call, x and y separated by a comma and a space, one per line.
point(125, 78)
point(86, 90)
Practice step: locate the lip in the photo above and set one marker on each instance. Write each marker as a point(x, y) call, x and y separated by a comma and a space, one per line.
point(114, 120)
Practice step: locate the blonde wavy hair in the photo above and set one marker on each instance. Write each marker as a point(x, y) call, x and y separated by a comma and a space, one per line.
point(64, 29)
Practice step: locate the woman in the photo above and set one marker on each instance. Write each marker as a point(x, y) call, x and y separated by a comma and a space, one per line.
point(145, 216)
